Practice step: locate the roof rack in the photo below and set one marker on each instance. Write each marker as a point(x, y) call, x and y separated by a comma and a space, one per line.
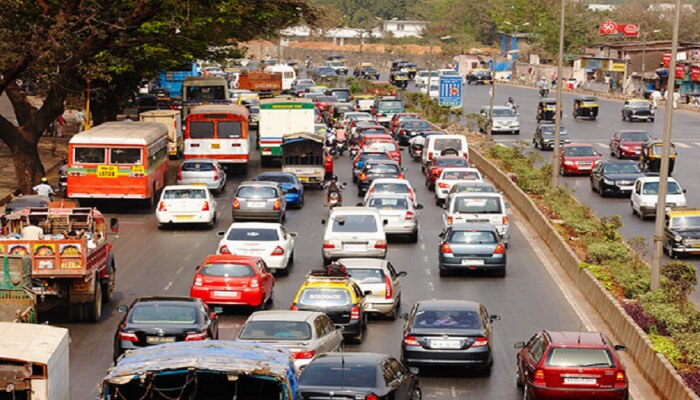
point(333, 272)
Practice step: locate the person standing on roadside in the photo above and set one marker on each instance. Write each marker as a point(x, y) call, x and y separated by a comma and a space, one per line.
point(80, 119)
point(656, 98)
point(676, 99)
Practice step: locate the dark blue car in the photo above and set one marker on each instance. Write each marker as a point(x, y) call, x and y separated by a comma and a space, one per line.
point(292, 188)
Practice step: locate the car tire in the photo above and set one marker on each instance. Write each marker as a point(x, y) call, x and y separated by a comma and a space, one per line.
point(360, 338)
point(516, 132)
point(416, 394)
point(92, 311)
point(501, 273)
point(442, 272)
point(109, 284)
point(519, 376)
point(414, 237)
point(212, 224)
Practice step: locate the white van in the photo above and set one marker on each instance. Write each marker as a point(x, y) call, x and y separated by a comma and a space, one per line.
point(287, 72)
point(645, 195)
point(354, 232)
point(436, 145)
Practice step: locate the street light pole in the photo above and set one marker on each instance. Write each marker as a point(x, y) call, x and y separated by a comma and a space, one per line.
point(558, 114)
point(492, 94)
point(665, 152)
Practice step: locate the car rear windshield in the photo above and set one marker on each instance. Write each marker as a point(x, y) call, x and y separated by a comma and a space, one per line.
point(621, 169)
point(390, 188)
point(163, 314)
point(450, 319)
point(451, 162)
point(382, 169)
point(258, 192)
point(388, 203)
point(583, 151)
point(276, 178)
point(635, 137)
point(580, 358)
point(374, 156)
point(478, 205)
point(339, 375)
point(390, 105)
point(320, 297)
point(341, 95)
point(253, 234)
point(355, 223)
point(89, 155)
point(197, 167)
point(326, 99)
point(461, 175)
point(366, 275)
point(276, 330)
point(174, 194)
point(472, 237)
point(472, 189)
point(685, 222)
point(442, 144)
point(415, 125)
point(228, 270)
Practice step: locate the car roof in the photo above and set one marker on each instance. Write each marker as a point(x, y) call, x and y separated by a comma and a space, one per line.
point(654, 179)
point(166, 299)
point(448, 305)
point(501, 108)
point(470, 169)
point(369, 358)
point(218, 258)
point(390, 162)
point(410, 120)
point(269, 225)
point(478, 194)
point(632, 131)
point(576, 338)
point(362, 263)
point(191, 186)
point(283, 315)
point(353, 210)
point(475, 227)
point(579, 145)
point(474, 183)
point(448, 157)
point(688, 212)
point(274, 173)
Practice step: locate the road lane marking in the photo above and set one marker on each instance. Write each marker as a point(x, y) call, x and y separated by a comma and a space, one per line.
point(602, 145)
point(427, 272)
point(454, 391)
point(682, 145)
point(696, 143)
point(179, 270)
point(168, 286)
point(432, 287)
point(422, 245)
point(425, 259)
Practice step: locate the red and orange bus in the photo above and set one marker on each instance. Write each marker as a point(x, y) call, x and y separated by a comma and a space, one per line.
point(118, 160)
point(219, 132)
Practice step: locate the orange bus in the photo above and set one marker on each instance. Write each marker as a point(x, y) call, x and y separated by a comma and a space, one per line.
point(219, 132)
point(118, 160)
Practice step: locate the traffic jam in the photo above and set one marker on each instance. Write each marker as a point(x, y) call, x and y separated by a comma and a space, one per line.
point(305, 135)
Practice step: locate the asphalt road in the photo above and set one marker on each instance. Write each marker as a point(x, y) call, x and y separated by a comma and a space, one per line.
point(152, 262)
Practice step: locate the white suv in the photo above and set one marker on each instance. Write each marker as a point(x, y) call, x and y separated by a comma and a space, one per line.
point(479, 208)
point(353, 232)
point(645, 195)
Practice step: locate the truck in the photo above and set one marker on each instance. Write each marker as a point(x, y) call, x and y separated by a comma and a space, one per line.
point(279, 117)
point(34, 362)
point(72, 263)
point(303, 155)
point(173, 121)
point(17, 301)
point(266, 84)
point(173, 79)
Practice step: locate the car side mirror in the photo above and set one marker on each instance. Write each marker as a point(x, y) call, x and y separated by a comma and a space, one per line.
point(684, 191)
point(413, 370)
point(402, 274)
point(212, 315)
point(441, 235)
point(404, 316)
point(495, 318)
point(385, 222)
point(519, 345)
point(123, 308)
point(220, 233)
point(323, 222)
point(403, 169)
point(620, 347)
point(367, 292)
point(419, 207)
point(114, 225)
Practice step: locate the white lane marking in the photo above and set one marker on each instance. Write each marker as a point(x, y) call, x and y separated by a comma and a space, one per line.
point(422, 245)
point(432, 287)
point(454, 391)
point(197, 244)
point(427, 272)
point(425, 259)
point(179, 270)
point(602, 145)
point(683, 145)
point(168, 286)
point(696, 143)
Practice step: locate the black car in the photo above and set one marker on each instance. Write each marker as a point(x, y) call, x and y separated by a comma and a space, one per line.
point(409, 128)
point(374, 169)
point(479, 77)
point(615, 177)
point(362, 158)
point(323, 72)
point(544, 136)
point(367, 73)
point(150, 321)
point(343, 95)
point(368, 376)
point(452, 333)
point(637, 110)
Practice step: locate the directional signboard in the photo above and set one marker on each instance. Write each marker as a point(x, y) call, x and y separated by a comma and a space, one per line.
point(450, 91)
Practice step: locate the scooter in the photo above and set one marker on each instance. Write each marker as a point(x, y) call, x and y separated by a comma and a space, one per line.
point(354, 149)
point(544, 92)
point(334, 199)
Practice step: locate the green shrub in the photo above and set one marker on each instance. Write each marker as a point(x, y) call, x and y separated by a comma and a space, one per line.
point(689, 344)
point(681, 279)
point(604, 251)
point(669, 314)
point(663, 345)
point(601, 274)
point(634, 283)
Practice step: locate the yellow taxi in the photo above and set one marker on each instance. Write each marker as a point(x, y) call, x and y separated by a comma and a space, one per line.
point(317, 89)
point(682, 232)
point(333, 292)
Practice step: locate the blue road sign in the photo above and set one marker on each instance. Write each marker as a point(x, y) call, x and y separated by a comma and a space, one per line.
point(450, 91)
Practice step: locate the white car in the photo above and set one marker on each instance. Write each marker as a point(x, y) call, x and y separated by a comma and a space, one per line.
point(479, 208)
point(434, 90)
point(399, 215)
point(186, 204)
point(391, 186)
point(645, 195)
point(380, 279)
point(451, 175)
point(348, 117)
point(267, 240)
point(353, 232)
point(421, 77)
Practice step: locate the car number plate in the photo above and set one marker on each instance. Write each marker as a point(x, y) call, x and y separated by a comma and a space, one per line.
point(228, 294)
point(303, 179)
point(444, 344)
point(215, 146)
point(354, 247)
point(256, 204)
point(159, 339)
point(183, 217)
point(580, 381)
point(472, 262)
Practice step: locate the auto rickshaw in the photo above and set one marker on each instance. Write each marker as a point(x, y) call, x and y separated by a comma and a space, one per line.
point(399, 79)
point(396, 65)
point(585, 107)
point(364, 102)
point(546, 110)
point(650, 159)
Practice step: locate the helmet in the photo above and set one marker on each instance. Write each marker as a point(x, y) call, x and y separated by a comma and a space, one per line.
point(510, 99)
point(334, 178)
point(44, 180)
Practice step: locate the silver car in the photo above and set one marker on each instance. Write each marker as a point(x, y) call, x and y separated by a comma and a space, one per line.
point(306, 334)
point(398, 214)
point(254, 115)
point(202, 171)
point(259, 201)
point(505, 120)
point(381, 279)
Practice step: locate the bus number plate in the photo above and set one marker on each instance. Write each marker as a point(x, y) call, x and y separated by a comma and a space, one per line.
point(215, 146)
point(106, 171)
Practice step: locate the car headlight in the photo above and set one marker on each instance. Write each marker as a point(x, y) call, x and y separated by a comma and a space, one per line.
point(608, 182)
point(677, 238)
point(568, 163)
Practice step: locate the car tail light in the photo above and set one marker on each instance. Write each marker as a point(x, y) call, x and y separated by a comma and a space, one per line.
point(435, 171)
point(191, 337)
point(294, 307)
point(403, 132)
point(539, 377)
point(505, 220)
point(401, 176)
point(355, 313)
point(411, 341)
point(198, 280)
point(278, 205)
point(179, 173)
point(128, 336)
point(500, 249)
point(480, 342)
point(443, 185)
point(449, 220)
point(410, 215)
point(303, 355)
point(205, 206)
point(216, 174)
point(194, 144)
point(224, 250)
point(388, 288)
point(371, 397)
point(254, 283)
point(381, 244)
point(236, 204)
point(620, 376)
point(328, 245)
point(278, 251)
point(161, 206)
point(363, 177)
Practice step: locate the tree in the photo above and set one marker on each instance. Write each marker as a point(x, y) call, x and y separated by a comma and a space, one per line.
point(57, 45)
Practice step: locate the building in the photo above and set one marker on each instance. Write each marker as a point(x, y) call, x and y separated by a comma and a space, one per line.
point(401, 29)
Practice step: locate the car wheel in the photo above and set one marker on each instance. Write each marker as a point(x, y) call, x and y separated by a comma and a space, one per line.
point(518, 376)
point(291, 259)
point(416, 394)
point(501, 273)
point(414, 237)
point(641, 214)
point(212, 224)
point(360, 337)
point(526, 393)
point(593, 189)
point(442, 272)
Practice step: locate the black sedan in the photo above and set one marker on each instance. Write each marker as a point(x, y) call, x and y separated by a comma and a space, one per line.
point(156, 320)
point(368, 376)
point(409, 128)
point(451, 333)
point(374, 169)
point(637, 110)
point(615, 177)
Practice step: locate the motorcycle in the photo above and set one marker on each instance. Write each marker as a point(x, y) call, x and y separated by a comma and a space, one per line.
point(334, 200)
point(354, 149)
point(416, 151)
point(544, 92)
point(340, 147)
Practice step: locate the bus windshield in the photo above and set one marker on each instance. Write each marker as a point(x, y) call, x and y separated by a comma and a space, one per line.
point(204, 93)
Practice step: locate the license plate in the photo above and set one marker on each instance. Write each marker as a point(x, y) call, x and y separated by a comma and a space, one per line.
point(183, 217)
point(107, 171)
point(303, 179)
point(256, 204)
point(354, 247)
point(472, 262)
point(229, 294)
point(159, 339)
point(215, 146)
point(580, 381)
point(444, 344)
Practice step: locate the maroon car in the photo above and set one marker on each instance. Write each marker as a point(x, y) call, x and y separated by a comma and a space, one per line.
point(571, 365)
point(628, 143)
point(324, 103)
point(437, 164)
point(578, 159)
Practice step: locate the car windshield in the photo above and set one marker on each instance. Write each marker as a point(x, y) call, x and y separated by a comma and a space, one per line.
point(472, 237)
point(416, 125)
point(451, 162)
point(151, 313)
point(685, 222)
point(442, 144)
point(326, 99)
point(355, 224)
point(580, 358)
point(478, 205)
point(366, 275)
point(173, 194)
point(503, 112)
point(459, 188)
point(339, 375)
point(258, 192)
point(652, 188)
point(324, 297)
point(341, 95)
point(390, 105)
point(373, 156)
point(448, 319)
point(383, 203)
point(387, 187)
point(388, 147)
point(276, 178)
point(621, 169)
point(548, 130)
point(382, 169)
point(197, 167)
point(638, 104)
point(581, 151)
point(276, 330)
point(460, 175)
point(227, 270)
point(253, 234)
point(635, 137)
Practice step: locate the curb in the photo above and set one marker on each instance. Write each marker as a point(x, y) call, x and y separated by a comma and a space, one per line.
point(53, 167)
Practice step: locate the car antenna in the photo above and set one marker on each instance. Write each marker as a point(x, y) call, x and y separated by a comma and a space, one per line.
point(579, 334)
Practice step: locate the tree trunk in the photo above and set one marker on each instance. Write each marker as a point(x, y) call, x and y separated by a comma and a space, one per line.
point(28, 166)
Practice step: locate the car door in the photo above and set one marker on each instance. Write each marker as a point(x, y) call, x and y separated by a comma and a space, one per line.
point(636, 194)
point(596, 175)
point(265, 277)
point(287, 243)
point(536, 348)
point(614, 142)
point(403, 378)
point(395, 280)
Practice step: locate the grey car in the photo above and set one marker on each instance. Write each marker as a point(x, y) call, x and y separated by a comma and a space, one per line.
point(505, 120)
point(472, 247)
point(398, 214)
point(306, 334)
point(202, 171)
point(259, 201)
point(380, 279)
point(544, 136)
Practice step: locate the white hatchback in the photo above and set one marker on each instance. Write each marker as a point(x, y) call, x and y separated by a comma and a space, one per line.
point(452, 175)
point(267, 240)
point(478, 208)
point(645, 196)
point(391, 186)
point(186, 204)
point(353, 232)
point(399, 216)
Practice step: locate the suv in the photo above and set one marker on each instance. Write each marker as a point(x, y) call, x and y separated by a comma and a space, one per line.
point(682, 232)
point(488, 208)
point(354, 232)
point(505, 120)
point(645, 195)
point(338, 66)
point(333, 292)
point(385, 108)
point(582, 365)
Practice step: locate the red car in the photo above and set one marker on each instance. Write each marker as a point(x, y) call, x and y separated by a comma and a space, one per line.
point(571, 365)
point(397, 118)
point(578, 159)
point(367, 135)
point(324, 103)
point(437, 164)
point(628, 144)
point(233, 280)
point(387, 145)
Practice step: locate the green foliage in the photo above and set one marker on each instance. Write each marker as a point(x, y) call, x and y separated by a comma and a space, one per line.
point(663, 345)
point(681, 278)
point(355, 86)
point(606, 251)
point(689, 344)
point(634, 282)
point(678, 320)
point(601, 274)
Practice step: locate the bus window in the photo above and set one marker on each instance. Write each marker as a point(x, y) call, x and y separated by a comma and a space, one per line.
point(201, 130)
point(203, 93)
point(125, 156)
point(230, 130)
point(89, 155)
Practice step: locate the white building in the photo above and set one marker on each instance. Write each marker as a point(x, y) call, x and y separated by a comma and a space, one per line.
point(400, 29)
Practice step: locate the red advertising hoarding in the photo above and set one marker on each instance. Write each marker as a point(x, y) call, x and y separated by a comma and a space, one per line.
point(680, 71)
point(666, 60)
point(695, 74)
point(609, 27)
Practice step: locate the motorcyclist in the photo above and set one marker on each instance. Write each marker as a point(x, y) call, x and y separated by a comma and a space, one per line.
point(308, 61)
point(333, 186)
point(63, 171)
point(511, 103)
point(44, 189)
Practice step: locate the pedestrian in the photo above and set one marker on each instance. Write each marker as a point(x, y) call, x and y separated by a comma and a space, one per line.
point(676, 99)
point(80, 119)
point(32, 231)
point(60, 126)
point(656, 97)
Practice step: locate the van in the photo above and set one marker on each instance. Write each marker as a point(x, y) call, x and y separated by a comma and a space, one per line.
point(478, 208)
point(445, 145)
point(287, 72)
point(353, 232)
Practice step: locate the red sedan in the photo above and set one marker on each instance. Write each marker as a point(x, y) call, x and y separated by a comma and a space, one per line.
point(324, 103)
point(578, 159)
point(437, 164)
point(233, 280)
point(628, 144)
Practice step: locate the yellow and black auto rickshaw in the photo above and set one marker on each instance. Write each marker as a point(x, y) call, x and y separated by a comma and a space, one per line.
point(399, 79)
point(585, 107)
point(546, 110)
point(651, 157)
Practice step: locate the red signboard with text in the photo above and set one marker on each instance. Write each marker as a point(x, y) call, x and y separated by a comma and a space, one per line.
point(680, 71)
point(666, 60)
point(609, 27)
point(695, 74)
